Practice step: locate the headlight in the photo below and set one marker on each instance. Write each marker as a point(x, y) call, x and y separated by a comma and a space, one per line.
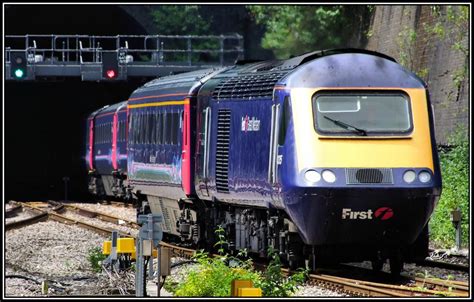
point(329, 176)
point(312, 176)
point(409, 176)
point(424, 176)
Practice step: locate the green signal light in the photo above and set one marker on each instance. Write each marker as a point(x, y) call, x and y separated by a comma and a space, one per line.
point(19, 73)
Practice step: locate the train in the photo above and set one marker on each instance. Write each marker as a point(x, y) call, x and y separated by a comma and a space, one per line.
point(326, 157)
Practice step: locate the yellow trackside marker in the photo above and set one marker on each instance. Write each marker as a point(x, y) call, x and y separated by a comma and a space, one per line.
point(125, 245)
point(236, 284)
point(106, 247)
point(249, 292)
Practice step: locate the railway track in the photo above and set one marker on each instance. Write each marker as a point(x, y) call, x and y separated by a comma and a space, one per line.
point(27, 221)
point(13, 211)
point(419, 288)
point(445, 265)
point(411, 287)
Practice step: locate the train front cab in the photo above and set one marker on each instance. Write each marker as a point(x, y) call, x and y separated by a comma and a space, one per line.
point(359, 173)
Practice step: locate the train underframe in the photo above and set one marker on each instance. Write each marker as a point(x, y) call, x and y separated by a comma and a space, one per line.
point(114, 185)
point(259, 230)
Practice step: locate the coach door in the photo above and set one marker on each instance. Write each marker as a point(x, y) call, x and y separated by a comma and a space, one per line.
point(205, 147)
point(274, 159)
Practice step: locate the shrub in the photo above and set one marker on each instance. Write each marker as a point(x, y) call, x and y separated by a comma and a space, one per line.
point(274, 284)
point(455, 175)
point(95, 258)
point(213, 275)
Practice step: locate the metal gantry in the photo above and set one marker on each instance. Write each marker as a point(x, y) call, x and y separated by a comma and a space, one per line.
point(51, 56)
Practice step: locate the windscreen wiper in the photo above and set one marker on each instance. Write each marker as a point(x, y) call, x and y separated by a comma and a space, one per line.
point(347, 126)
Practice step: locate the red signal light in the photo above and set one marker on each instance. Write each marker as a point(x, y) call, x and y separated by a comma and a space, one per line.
point(111, 73)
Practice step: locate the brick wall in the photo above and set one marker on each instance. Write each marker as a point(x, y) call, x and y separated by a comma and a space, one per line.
point(431, 57)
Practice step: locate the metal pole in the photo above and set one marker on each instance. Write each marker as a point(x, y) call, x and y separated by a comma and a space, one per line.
point(222, 50)
point(189, 51)
point(158, 270)
point(150, 237)
point(456, 220)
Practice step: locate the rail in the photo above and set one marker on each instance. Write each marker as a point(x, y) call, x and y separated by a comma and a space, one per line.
point(410, 287)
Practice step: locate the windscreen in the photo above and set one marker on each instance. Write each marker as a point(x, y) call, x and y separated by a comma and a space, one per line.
point(362, 113)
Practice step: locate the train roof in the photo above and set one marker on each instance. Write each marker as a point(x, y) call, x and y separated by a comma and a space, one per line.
point(257, 79)
point(351, 69)
point(183, 83)
point(108, 109)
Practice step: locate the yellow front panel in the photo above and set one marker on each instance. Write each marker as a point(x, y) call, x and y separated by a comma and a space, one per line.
point(315, 150)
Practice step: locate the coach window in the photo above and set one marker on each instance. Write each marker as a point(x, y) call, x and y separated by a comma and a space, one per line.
point(109, 133)
point(152, 128)
point(142, 128)
point(100, 134)
point(168, 126)
point(162, 127)
point(145, 127)
point(138, 126)
point(158, 127)
point(120, 131)
point(96, 134)
point(174, 128)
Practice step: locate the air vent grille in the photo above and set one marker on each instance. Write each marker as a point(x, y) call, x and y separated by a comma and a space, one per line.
point(222, 151)
point(369, 176)
point(247, 86)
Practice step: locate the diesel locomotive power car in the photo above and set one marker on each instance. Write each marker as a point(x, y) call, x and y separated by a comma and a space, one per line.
point(328, 156)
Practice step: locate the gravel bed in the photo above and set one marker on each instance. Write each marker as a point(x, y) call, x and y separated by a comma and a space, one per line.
point(452, 256)
point(422, 271)
point(316, 291)
point(126, 213)
point(51, 251)
point(100, 223)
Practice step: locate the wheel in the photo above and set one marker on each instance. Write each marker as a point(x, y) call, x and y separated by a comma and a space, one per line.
point(396, 263)
point(377, 264)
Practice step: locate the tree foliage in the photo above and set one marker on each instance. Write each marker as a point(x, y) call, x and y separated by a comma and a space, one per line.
point(295, 29)
point(180, 20)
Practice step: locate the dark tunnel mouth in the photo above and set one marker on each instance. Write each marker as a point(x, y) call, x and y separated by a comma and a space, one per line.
point(40, 133)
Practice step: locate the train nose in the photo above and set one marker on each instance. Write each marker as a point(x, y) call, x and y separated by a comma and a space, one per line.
point(360, 216)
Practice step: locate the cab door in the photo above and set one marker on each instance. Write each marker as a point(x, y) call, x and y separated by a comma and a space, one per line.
point(204, 150)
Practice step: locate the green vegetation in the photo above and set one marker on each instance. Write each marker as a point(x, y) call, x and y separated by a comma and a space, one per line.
point(295, 29)
point(213, 275)
point(274, 284)
point(95, 258)
point(184, 20)
point(455, 174)
point(179, 20)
